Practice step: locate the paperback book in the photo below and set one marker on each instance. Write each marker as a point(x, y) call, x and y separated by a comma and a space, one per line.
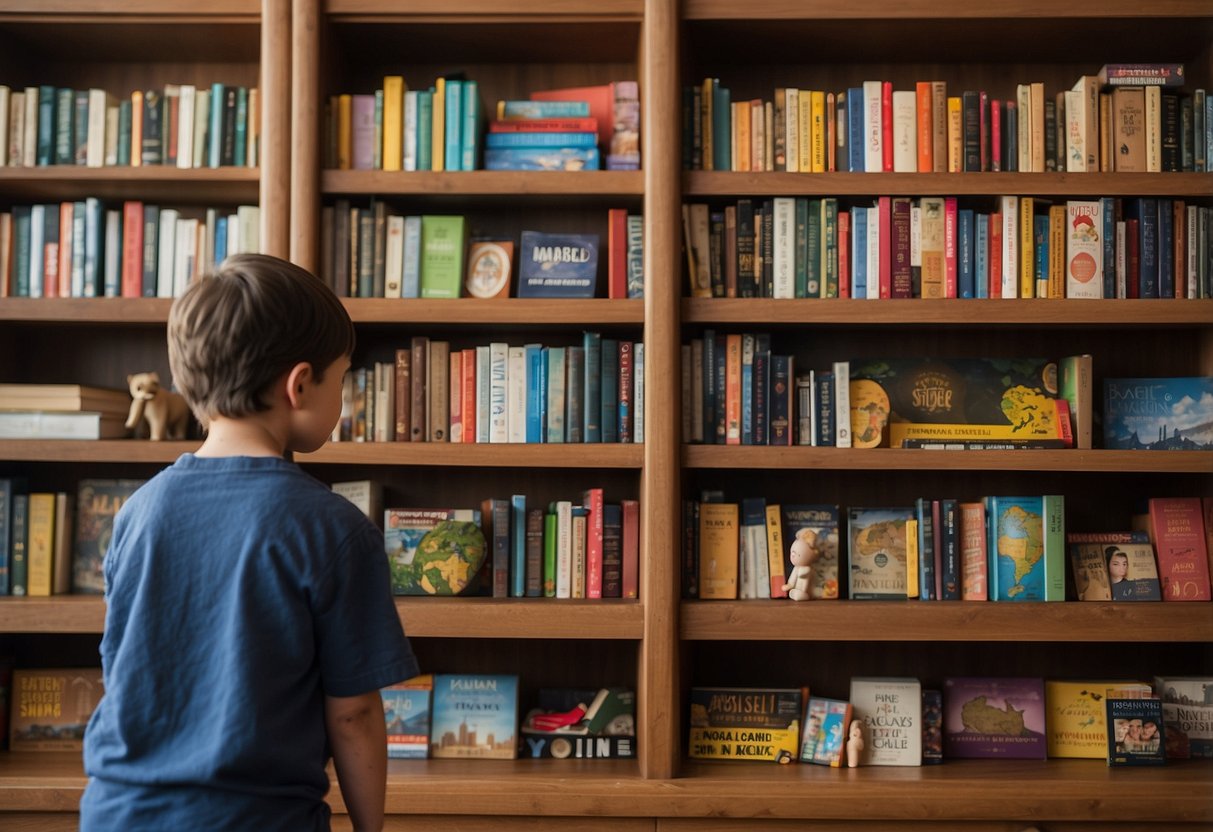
point(823, 520)
point(825, 730)
point(433, 551)
point(406, 715)
point(1076, 716)
point(557, 265)
point(877, 549)
point(1158, 414)
point(745, 724)
point(97, 502)
point(1187, 710)
point(1137, 735)
point(52, 707)
point(475, 716)
point(994, 717)
point(890, 709)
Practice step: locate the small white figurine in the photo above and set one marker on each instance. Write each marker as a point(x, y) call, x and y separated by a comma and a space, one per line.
point(804, 553)
point(855, 743)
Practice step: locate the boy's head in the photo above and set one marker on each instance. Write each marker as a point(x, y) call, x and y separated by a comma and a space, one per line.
point(238, 330)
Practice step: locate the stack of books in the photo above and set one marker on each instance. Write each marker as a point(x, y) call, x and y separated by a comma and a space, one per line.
point(62, 411)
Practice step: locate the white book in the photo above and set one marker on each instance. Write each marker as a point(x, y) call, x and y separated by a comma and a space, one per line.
point(1084, 248)
point(95, 139)
point(905, 131)
point(29, 146)
point(1009, 206)
point(842, 404)
point(1192, 254)
point(1122, 278)
point(768, 143)
point(393, 259)
point(37, 248)
point(564, 548)
point(5, 103)
point(791, 130)
point(873, 253)
point(515, 397)
point(410, 286)
point(557, 391)
point(915, 234)
point(873, 157)
point(484, 387)
point(1088, 89)
point(409, 141)
point(185, 254)
point(166, 258)
point(1023, 133)
point(79, 231)
point(499, 356)
point(385, 402)
point(638, 393)
point(111, 135)
point(207, 254)
point(367, 495)
point(784, 246)
point(185, 126)
point(38, 424)
point(1153, 129)
point(249, 217)
point(1076, 131)
point(233, 235)
point(112, 272)
point(890, 709)
point(202, 120)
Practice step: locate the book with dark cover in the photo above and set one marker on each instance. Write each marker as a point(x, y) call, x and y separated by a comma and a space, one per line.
point(1158, 414)
point(1136, 736)
point(557, 265)
point(994, 717)
point(745, 724)
point(97, 502)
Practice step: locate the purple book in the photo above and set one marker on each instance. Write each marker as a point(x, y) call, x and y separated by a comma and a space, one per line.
point(994, 717)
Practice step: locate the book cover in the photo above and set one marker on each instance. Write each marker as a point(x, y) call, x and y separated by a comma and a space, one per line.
point(890, 709)
point(1158, 413)
point(1017, 563)
point(97, 502)
point(877, 549)
point(433, 551)
point(542, 158)
point(1137, 736)
point(52, 707)
point(718, 550)
point(1076, 717)
point(1187, 710)
point(745, 724)
point(442, 252)
point(825, 728)
point(490, 264)
point(994, 717)
point(1132, 571)
point(474, 716)
point(1176, 528)
point(557, 265)
point(822, 520)
point(571, 723)
point(406, 715)
point(932, 727)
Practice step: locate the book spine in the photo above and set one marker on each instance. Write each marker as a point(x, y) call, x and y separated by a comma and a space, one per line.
point(518, 546)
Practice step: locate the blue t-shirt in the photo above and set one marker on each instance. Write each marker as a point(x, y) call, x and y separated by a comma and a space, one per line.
point(240, 592)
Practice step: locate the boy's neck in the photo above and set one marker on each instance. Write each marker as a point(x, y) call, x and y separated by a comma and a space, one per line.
point(247, 436)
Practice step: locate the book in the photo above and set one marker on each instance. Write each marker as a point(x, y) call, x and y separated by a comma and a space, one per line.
point(1017, 550)
point(433, 551)
point(890, 709)
point(1176, 528)
point(570, 723)
point(1141, 75)
point(442, 256)
point(1076, 716)
point(877, 549)
point(718, 550)
point(822, 520)
point(474, 716)
point(542, 158)
point(64, 397)
point(745, 724)
point(557, 265)
point(46, 424)
point(994, 717)
point(367, 495)
point(932, 727)
point(52, 707)
point(1137, 735)
point(1187, 710)
point(1158, 414)
point(490, 264)
point(406, 716)
point(825, 728)
point(97, 503)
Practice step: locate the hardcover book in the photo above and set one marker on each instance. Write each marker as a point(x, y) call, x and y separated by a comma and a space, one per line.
point(1076, 716)
point(1017, 550)
point(932, 727)
point(1176, 528)
point(433, 551)
point(745, 724)
point(475, 716)
point(825, 730)
point(1187, 710)
point(1137, 735)
point(877, 548)
point(441, 256)
point(823, 520)
point(1158, 414)
point(97, 502)
point(994, 717)
point(52, 707)
point(557, 265)
point(406, 715)
point(891, 711)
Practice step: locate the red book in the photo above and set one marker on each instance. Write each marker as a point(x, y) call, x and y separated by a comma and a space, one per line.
point(1179, 252)
point(455, 432)
point(844, 254)
point(631, 548)
point(983, 128)
point(886, 129)
point(50, 267)
point(469, 395)
point(617, 254)
point(949, 247)
point(996, 255)
point(1132, 261)
point(545, 125)
point(885, 211)
point(601, 100)
point(995, 137)
point(132, 249)
point(1178, 534)
point(592, 500)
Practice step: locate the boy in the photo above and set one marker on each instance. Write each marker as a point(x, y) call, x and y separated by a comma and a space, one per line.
point(250, 623)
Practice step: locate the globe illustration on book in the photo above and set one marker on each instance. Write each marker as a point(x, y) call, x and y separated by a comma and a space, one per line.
point(448, 557)
point(869, 413)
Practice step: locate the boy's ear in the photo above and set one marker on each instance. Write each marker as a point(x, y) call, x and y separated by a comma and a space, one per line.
point(297, 381)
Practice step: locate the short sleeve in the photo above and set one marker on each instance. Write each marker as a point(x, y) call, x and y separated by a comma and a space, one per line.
point(359, 638)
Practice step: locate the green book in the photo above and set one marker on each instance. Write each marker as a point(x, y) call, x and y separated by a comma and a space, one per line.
point(425, 129)
point(124, 132)
point(1055, 547)
point(19, 567)
point(813, 250)
point(442, 244)
point(801, 243)
point(549, 553)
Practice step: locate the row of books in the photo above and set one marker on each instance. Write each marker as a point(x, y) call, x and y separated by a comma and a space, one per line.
point(996, 548)
point(499, 393)
point(941, 247)
point(874, 128)
point(87, 249)
point(178, 125)
point(369, 252)
point(897, 721)
point(440, 128)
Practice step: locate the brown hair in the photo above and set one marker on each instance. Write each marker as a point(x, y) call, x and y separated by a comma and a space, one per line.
point(238, 329)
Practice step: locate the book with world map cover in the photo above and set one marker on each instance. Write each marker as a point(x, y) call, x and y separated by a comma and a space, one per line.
point(1017, 548)
point(877, 550)
point(1014, 398)
point(994, 717)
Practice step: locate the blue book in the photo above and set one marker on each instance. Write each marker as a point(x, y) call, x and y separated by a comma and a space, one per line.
point(220, 240)
point(609, 410)
point(1166, 249)
point(855, 142)
point(406, 715)
point(747, 389)
point(94, 229)
point(410, 286)
point(453, 125)
point(1016, 548)
point(779, 405)
point(1107, 208)
point(1145, 209)
point(9, 489)
point(1138, 413)
point(518, 109)
point(469, 137)
point(981, 256)
point(555, 394)
point(709, 387)
point(240, 128)
point(474, 716)
point(151, 246)
point(425, 128)
point(722, 134)
point(762, 389)
point(46, 141)
point(965, 273)
point(591, 410)
point(542, 158)
point(496, 140)
point(518, 546)
point(926, 549)
point(557, 265)
point(859, 263)
point(214, 149)
point(536, 393)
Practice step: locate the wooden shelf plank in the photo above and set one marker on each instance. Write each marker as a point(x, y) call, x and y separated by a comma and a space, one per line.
point(153, 183)
point(960, 790)
point(119, 312)
point(899, 459)
point(57, 614)
point(917, 9)
point(1070, 621)
point(544, 9)
point(509, 184)
point(915, 312)
point(500, 312)
point(731, 183)
point(101, 450)
point(53, 9)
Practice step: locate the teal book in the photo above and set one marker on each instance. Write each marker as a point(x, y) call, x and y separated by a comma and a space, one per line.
point(722, 142)
point(442, 252)
point(377, 144)
point(124, 132)
point(591, 403)
point(453, 124)
point(1016, 548)
point(214, 150)
point(425, 129)
point(813, 251)
point(518, 546)
point(470, 139)
point(609, 411)
point(241, 128)
point(65, 104)
point(47, 137)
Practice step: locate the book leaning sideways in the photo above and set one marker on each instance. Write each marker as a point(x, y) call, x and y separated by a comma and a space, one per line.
point(745, 724)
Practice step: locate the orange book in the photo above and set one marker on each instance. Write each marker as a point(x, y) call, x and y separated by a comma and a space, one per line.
point(345, 132)
point(732, 389)
point(437, 126)
point(955, 136)
point(926, 162)
point(742, 130)
point(996, 255)
point(66, 211)
point(469, 395)
point(132, 249)
point(1177, 531)
point(455, 433)
point(136, 128)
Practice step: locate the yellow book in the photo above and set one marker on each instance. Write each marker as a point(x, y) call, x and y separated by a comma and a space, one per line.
point(1027, 248)
point(911, 558)
point(955, 135)
point(804, 131)
point(732, 398)
point(438, 126)
point(1057, 251)
point(137, 128)
point(1036, 95)
point(775, 552)
point(1044, 427)
point(718, 550)
point(394, 89)
point(1105, 132)
point(40, 550)
point(742, 132)
point(817, 129)
point(1076, 717)
point(345, 132)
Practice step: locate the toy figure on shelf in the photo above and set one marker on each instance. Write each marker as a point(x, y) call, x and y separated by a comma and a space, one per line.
point(166, 412)
point(855, 743)
point(804, 553)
